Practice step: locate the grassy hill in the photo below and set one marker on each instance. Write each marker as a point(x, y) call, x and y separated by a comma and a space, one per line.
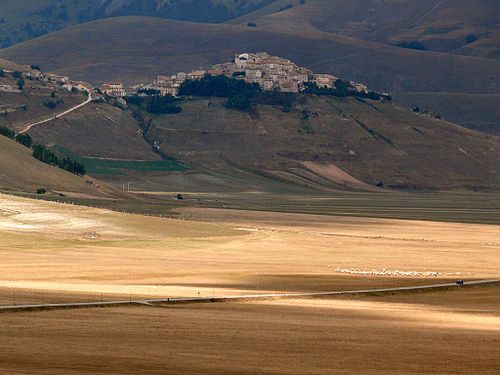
point(25, 19)
point(319, 140)
point(20, 172)
point(455, 26)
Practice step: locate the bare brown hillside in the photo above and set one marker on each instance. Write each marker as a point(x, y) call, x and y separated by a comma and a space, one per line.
point(322, 142)
point(98, 130)
point(135, 49)
point(455, 26)
point(19, 171)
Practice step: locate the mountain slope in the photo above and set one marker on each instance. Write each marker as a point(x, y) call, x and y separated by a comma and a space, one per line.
point(19, 171)
point(456, 26)
point(135, 49)
point(25, 19)
point(98, 130)
point(331, 142)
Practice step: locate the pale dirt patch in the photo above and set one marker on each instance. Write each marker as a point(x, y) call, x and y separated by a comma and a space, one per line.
point(333, 173)
point(51, 219)
point(47, 217)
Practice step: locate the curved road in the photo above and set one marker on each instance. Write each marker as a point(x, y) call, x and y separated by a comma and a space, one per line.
point(152, 302)
point(89, 99)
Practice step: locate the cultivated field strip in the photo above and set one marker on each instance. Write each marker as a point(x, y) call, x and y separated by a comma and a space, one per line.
point(251, 297)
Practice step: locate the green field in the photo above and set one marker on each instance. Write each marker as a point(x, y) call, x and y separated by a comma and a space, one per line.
point(121, 167)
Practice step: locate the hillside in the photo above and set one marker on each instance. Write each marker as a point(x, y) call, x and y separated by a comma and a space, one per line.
point(19, 171)
point(331, 142)
point(137, 49)
point(37, 100)
point(90, 52)
point(25, 19)
point(462, 27)
point(98, 130)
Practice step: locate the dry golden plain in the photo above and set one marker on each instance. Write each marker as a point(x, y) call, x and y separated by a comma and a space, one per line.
point(432, 333)
point(53, 249)
point(53, 252)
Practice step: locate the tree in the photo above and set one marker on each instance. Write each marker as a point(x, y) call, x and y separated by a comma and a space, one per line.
point(238, 101)
point(20, 83)
point(218, 86)
point(49, 157)
point(24, 139)
point(44, 155)
point(6, 132)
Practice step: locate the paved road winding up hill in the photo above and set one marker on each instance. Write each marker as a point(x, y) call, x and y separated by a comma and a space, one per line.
point(72, 109)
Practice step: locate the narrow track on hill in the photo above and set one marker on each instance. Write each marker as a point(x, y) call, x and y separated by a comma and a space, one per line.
point(68, 111)
point(251, 297)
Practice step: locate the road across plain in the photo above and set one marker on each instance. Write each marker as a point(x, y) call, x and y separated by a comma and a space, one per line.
point(184, 300)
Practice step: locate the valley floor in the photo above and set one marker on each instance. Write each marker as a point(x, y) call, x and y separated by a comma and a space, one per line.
point(438, 333)
point(53, 252)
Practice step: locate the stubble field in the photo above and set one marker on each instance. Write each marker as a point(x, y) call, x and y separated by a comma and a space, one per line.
point(53, 252)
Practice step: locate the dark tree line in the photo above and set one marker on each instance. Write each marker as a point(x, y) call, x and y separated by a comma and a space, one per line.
point(47, 156)
point(343, 89)
point(154, 103)
point(239, 94)
point(43, 154)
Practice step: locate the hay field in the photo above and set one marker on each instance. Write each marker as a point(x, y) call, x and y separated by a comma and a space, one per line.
point(51, 250)
point(343, 336)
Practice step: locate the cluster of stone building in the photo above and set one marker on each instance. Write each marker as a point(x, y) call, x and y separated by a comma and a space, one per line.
point(50, 78)
point(269, 72)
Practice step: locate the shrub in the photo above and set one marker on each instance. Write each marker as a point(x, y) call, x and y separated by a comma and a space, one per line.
point(51, 104)
point(471, 38)
point(415, 44)
point(41, 191)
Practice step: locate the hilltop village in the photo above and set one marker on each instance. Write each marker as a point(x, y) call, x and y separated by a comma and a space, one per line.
point(269, 72)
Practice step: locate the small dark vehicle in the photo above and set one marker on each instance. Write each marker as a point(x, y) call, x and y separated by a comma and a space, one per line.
point(460, 282)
